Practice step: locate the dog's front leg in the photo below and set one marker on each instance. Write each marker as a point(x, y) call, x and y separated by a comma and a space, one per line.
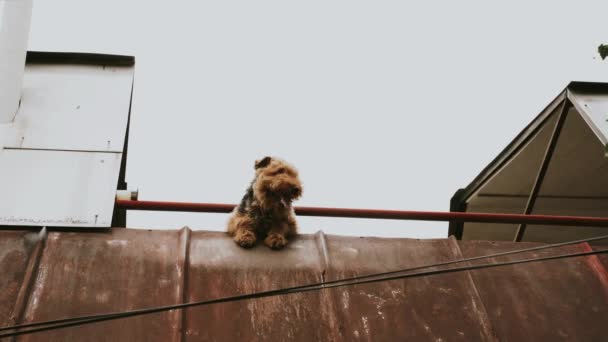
point(241, 227)
point(277, 236)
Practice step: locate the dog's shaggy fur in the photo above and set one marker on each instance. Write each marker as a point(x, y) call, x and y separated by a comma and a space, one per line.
point(265, 211)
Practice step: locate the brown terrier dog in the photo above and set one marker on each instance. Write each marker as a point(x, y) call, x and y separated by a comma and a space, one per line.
point(265, 211)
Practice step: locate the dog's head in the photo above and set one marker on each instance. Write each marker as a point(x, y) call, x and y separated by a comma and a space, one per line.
point(276, 182)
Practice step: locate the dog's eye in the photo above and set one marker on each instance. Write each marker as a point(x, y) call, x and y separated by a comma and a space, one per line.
point(279, 171)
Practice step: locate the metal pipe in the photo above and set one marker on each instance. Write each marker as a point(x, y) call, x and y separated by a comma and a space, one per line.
point(544, 166)
point(379, 214)
point(15, 17)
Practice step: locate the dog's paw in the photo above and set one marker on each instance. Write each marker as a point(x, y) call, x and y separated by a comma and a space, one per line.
point(275, 241)
point(245, 239)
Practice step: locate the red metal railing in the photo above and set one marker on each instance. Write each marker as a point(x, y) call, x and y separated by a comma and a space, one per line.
point(379, 214)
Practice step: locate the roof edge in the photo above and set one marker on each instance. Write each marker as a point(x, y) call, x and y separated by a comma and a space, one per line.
point(520, 140)
point(588, 86)
point(515, 144)
point(457, 204)
point(48, 57)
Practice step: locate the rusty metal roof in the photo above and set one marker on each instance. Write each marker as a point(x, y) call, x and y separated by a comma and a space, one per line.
point(66, 274)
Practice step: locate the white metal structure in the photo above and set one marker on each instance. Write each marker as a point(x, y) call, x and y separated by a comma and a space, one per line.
point(576, 179)
point(15, 16)
point(60, 157)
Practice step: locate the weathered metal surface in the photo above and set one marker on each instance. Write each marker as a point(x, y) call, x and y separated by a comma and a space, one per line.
point(437, 308)
point(218, 268)
point(600, 264)
point(16, 247)
point(558, 300)
point(81, 273)
point(88, 273)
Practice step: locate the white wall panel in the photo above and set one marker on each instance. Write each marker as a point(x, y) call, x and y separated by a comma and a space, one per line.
point(72, 107)
point(57, 188)
point(60, 157)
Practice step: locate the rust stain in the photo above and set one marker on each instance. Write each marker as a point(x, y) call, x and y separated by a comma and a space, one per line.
point(596, 265)
point(546, 301)
point(18, 250)
point(80, 273)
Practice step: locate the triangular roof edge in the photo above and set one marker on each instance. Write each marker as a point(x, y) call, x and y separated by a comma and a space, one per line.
point(572, 93)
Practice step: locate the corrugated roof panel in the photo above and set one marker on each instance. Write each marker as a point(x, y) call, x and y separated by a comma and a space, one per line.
point(600, 264)
point(117, 270)
point(557, 300)
point(121, 269)
point(435, 308)
point(219, 268)
point(16, 247)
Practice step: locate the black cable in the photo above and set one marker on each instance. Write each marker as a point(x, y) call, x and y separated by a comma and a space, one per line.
point(292, 291)
point(375, 275)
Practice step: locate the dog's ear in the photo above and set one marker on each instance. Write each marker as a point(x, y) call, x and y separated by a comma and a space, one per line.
point(262, 162)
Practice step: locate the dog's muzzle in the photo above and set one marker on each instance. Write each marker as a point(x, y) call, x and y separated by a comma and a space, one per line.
point(288, 195)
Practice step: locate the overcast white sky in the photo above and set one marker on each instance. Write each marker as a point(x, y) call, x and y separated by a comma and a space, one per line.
point(380, 104)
